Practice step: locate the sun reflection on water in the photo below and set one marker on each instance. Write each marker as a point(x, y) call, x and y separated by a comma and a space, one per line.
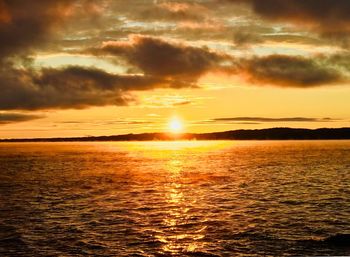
point(171, 149)
point(183, 223)
point(178, 235)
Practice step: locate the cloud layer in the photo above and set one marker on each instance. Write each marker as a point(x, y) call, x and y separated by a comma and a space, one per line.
point(164, 61)
point(180, 62)
point(9, 117)
point(72, 87)
point(26, 24)
point(291, 71)
point(264, 119)
point(325, 15)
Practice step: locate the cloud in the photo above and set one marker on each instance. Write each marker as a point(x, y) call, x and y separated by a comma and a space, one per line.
point(225, 122)
point(108, 122)
point(8, 117)
point(161, 11)
point(252, 35)
point(168, 101)
point(25, 24)
point(325, 15)
point(157, 57)
point(28, 25)
point(72, 87)
point(174, 11)
point(245, 38)
point(264, 119)
point(290, 71)
point(78, 87)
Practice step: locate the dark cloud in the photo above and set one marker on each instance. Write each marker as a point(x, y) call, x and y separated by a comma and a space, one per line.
point(25, 24)
point(7, 118)
point(73, 87)
point(290, 71)
point(264, 119)
point(245, 38)
point(324, 15)
point(158, 57)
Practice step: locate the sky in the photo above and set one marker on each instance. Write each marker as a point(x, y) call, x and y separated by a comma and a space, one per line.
point(104, 67)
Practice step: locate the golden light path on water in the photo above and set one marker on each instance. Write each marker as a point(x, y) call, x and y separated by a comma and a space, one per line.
point(180, 213)
point(175, 155)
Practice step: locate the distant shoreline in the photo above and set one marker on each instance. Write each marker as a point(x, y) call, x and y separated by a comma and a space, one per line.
point(257, 134)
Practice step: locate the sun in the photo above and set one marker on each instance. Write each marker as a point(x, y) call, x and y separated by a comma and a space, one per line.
point(175, 125)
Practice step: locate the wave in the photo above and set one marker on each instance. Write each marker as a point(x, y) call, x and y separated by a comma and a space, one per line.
point(333, 241)
point(341, 240)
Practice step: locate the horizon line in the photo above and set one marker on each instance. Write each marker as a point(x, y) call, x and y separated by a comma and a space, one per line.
point(182, 136)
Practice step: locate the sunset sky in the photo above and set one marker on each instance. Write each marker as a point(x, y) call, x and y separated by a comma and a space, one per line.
point(103, 67)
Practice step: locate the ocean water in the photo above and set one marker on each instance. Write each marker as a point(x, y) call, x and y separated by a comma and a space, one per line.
point(197, 198)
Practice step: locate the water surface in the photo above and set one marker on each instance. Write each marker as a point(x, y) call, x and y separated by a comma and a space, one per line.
point(197, 198)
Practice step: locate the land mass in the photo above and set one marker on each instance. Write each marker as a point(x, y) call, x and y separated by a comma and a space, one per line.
point(257, 134)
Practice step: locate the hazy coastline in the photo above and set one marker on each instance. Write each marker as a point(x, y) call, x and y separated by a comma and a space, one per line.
point(257, 134)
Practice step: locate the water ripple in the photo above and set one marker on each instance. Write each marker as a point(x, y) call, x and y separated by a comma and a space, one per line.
point(175, 199)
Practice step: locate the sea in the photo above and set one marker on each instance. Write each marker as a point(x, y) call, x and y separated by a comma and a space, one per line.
point(178, 198)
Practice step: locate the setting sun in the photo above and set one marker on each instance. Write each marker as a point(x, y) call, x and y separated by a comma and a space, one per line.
point(175, 125)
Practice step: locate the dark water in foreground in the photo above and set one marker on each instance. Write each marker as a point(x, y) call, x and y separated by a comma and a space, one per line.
point(174, 198)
